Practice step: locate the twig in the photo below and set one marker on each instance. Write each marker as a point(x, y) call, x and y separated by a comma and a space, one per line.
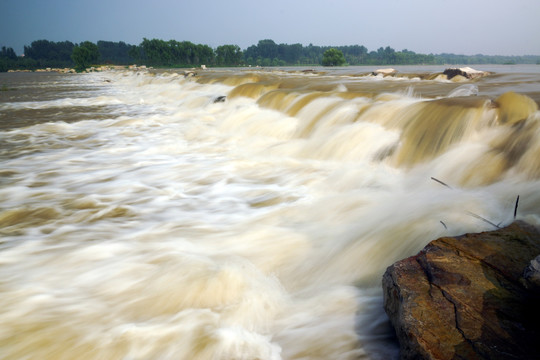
point(440, 182)
point(473, 214)
point(483, 219)
point(443, 224)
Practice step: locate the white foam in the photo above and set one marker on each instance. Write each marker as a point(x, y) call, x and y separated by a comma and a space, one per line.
point(222, 230)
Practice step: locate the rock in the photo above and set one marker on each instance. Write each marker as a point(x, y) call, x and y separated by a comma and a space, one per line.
point(531, 275)
point(464, 297)
point(219, 99)
point(466, 72)
point(384, 72)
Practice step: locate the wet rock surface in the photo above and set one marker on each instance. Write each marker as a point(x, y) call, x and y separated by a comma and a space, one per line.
point(384, 72)
point(466, 72)
point(474, 296)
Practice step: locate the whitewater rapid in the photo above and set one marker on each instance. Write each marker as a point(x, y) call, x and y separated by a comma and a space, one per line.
point(141, 219)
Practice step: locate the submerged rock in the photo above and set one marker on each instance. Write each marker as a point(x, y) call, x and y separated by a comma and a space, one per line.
point(466, 72)
point(515, 107)
point(468, 297)
point(219, 99)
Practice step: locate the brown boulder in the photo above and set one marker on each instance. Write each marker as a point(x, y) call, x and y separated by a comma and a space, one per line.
point(466, 72)
point(466, 297)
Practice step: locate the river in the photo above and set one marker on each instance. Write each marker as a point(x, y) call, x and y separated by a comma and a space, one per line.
point(243, 213)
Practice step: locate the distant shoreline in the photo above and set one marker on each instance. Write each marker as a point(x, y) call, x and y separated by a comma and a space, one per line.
point(158, 53)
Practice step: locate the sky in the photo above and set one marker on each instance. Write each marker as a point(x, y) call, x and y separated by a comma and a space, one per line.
point(489, 27)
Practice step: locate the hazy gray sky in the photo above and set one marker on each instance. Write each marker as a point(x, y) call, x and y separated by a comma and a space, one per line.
point(491, 27)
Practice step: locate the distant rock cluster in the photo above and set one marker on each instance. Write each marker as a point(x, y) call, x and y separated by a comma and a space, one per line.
point(465, 72)
point(73, 71)
point(454, 74)
point(58, 70)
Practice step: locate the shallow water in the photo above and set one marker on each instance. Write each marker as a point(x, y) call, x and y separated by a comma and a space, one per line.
point(140, 219)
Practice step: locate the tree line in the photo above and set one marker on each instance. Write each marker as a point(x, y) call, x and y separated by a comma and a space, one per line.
point(172, 53)
point(268, 53)
point(62, 54)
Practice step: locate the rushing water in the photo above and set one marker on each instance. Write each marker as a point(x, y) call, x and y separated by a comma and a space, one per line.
point(142, 219)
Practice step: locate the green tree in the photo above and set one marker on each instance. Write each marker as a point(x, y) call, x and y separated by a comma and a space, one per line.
point(84, 55)
point(290, 54)
point(8, 59)
point(157, 52)
point(229, 55)
point(8, 53)
point(267, 49)
point(333, 57)
point(49, 53)
point(206, 54)
point(114, 52)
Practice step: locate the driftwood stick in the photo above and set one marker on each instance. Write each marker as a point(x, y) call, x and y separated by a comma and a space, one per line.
point(473, 214)
point(440, 182)
point(483, 219)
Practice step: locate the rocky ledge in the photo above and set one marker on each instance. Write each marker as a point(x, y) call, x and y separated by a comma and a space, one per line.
point(465, 72)
point(384, 72)
point(475, 296)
